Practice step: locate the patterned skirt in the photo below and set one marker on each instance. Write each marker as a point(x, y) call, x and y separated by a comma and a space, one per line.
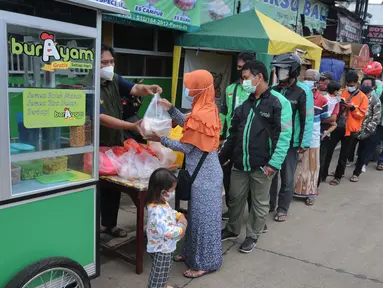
point(307, 173)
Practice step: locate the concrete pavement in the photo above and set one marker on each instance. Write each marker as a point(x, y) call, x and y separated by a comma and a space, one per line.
point(338, 242)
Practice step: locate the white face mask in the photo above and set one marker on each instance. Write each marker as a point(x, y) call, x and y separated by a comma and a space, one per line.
point(168, 195)
point(107, 73)
point(350, 89)
point(283, 73)
point(248, 86)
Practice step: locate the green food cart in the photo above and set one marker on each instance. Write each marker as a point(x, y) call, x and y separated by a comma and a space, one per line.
point(49, 119)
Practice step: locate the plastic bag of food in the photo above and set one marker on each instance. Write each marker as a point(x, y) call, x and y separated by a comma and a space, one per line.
point(156, 119)
point(166, 156)
point(105, 166)
point(128, 168)
point(137, 166)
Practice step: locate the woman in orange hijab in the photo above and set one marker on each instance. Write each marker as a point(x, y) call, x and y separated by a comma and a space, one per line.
point(202, 252)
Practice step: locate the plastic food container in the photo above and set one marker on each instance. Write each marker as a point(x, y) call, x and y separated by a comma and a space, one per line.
point(55, 165)
point(16, 174)
point(77, 136)
point(31, 169)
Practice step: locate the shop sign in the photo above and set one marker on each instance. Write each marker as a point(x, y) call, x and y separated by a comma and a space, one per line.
point(44, 108)
point(348, 30)
point(374, 38)
point(177, 14)
point(48, 51)
point(358, 62)
point(286, 12)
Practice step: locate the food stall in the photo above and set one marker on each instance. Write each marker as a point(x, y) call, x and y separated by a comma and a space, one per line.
point(249, 31)
point(48, 122)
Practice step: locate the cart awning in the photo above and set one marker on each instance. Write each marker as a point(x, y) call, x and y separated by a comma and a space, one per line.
point(249, 31)
point(332, 46)
point(115, 6)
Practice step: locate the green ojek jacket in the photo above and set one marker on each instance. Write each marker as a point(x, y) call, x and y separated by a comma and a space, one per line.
point(226, 112)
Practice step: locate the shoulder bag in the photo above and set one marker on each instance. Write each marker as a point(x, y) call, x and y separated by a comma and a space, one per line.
point(185, 181)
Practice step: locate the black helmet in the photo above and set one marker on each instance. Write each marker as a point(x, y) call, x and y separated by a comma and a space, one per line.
point(289, 61)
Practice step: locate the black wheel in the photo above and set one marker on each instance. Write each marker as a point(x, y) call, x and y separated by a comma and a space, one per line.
point(57, 272)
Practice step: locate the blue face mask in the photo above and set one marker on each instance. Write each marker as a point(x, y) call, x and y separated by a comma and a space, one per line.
point(310, 84)
point(187, 97)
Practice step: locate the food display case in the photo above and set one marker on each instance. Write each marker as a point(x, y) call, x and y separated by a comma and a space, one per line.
point(49, 120)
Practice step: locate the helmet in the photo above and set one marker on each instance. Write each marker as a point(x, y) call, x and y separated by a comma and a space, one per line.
point(373, 68)
point(289, 61)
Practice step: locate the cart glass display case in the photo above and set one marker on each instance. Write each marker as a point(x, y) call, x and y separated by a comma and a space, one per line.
point(51, 111)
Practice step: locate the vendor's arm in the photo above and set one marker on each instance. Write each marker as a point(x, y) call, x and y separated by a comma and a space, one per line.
point(117, 124)
point(127, 88)
point(177, 145)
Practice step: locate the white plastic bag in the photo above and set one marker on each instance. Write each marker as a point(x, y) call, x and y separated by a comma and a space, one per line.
point(137, 166)
point(166, 156)
point(156, 119)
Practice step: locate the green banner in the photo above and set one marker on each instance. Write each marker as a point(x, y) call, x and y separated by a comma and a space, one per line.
point(44, 108)
point(174, 14)
point(288, 12)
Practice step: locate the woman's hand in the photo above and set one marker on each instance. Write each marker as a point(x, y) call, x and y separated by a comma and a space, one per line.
point(154, 137)
point(137, 127)
point(165, 104)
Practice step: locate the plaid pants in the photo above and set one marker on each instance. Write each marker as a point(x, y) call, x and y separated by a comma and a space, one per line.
point(161, 266)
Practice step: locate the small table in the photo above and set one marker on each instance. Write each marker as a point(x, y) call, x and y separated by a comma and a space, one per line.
point(137, 192)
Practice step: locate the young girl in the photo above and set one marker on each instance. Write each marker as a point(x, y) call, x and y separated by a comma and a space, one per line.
point(165, 226)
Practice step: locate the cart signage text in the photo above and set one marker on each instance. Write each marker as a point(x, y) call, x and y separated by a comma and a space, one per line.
point(45, 108)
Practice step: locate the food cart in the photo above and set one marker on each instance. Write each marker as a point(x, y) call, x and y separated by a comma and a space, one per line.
point(48, 122)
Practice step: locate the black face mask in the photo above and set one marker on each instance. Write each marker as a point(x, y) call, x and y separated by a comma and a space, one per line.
point(239, 74)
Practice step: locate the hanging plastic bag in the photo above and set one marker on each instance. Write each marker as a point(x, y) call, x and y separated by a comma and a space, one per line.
point(156, 119)
point(166, 156)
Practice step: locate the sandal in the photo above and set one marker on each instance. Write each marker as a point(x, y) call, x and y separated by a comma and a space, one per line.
point(280, 217)
point(179, 258)
point(335, 182)
point(354, 178)
point(193, 274)
point(379, 167)
point(114, 232)
point(309, 201)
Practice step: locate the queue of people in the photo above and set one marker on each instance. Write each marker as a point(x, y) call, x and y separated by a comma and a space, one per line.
point(290, 129)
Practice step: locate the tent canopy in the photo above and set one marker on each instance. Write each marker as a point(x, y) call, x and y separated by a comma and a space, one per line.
point(332, 46)
point(249, 31)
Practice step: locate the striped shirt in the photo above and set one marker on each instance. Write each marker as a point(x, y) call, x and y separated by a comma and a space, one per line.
point(320, 112)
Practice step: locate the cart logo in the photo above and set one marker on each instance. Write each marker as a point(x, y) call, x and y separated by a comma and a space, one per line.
point(55, 57)
point(68, 115)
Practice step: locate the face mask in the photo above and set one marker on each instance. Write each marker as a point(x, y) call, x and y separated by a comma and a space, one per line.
point(350, 89)
point(107, 73)
point(310, 84)
point(239, 74)
point(248, 86)
point(283, 73)
point(168, 195)
point(191, 98)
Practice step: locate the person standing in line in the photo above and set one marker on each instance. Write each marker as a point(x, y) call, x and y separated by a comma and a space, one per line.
point(353, 109)
point(307, 172)
point(288, 67)
point(165, 226)
point(259, 138)
point(329, 125)
point(374, 70)
point(235, 96)
point(113, 88)
point(202, 251)
point(325, 79)
point(367, 135)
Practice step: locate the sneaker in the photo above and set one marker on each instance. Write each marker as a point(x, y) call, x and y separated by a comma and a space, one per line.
point(248, 245)
point(364, 169)
point(227, 235)
point(225, 216)
point(265, 229)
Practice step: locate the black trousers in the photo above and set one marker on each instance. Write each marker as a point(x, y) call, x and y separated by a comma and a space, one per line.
point(351, 154)
point(367, 147)
point(226, 183)
point(110, 204)
point(323, 153)
point(346, 142)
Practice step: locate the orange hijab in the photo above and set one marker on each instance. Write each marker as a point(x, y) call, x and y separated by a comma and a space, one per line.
point(202, 127)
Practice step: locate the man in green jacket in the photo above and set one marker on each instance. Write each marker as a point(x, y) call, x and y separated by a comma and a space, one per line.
point(235, 96)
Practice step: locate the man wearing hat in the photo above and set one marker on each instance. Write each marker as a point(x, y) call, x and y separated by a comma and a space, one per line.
point(325, 78)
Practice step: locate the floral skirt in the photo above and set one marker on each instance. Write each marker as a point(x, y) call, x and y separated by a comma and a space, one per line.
point(307, 173)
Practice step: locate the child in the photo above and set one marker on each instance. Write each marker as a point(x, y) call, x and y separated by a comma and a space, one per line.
point(165, 226)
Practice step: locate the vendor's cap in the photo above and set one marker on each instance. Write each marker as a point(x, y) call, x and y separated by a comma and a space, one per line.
point(312, 75)
point(366, 89)
point(327, 75)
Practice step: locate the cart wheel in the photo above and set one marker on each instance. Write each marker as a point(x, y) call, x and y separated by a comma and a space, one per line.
point(57, 272)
